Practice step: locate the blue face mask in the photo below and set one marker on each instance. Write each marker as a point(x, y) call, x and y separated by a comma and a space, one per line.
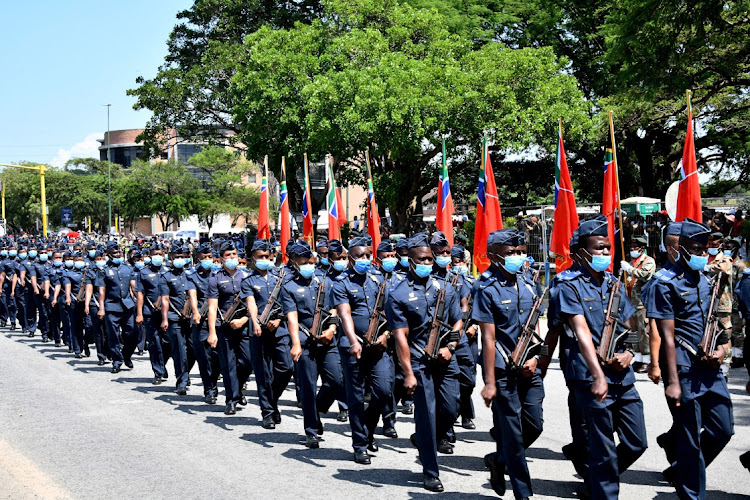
point(442, 261)
point(713, 251)
point(461, 268)
point(140, 264)
point(728, 253)
point(22, 255)
point(79, 264)
point(231, 264)
point(600, 263)
point(100, 264)
point(157, 260)
point(324, 261)
point(242, 267)
point(215, 266)
point(207, 264)
point(513, 263)
point(92, 253)
point(13, 253)
point(57, 263)
point(307, 270)
point(404, 261)
point(117, 260)
point(147, 260)
point(697, 262)
point(263, 264)
point(3, 253)
point(423, 270)
point(179, 262)
point(33, 253)
point(361, 266)
point(389, 264)
point(44, 257)
point(340, 265)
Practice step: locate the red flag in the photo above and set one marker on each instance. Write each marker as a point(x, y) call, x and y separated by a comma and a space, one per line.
point(689, 194)
point(444, 215)
point(342, 211)
point(334, 231)
point(566, 215)
point(373, 217)
point(286, 230)
point(489, 218)
point(308, 230)
point(264, 227)
point(609, 199)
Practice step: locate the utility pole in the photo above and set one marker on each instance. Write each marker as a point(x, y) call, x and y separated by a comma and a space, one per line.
point(109, 173)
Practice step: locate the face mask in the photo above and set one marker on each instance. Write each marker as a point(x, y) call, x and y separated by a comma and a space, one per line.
point(728, 253)
point(696, 262)
point(713, 251)
point(461, 268)
point(600, 263)
point(340, 265)
point(22, 256)
point(263, 264)
point(140, 264)
point(33, 253)
point(207, 264)
point(307, 270)
point(242, 267)
point(389, 264)
point(513, 263)
point(13, 253)
point(635, 253)
point(442, 261)
point(404, 261)
point(100, 264)
point(324, 261)
point(423, 270)
point(361, 266)
point(118, 260)
point(231, 264)
point(44, 257)
point(79, 264)
point(157, 260)
point(57, 263)
point(147, 260)
point(92, 253)
point(179, 263)
point(3, 253)
point(215, 266)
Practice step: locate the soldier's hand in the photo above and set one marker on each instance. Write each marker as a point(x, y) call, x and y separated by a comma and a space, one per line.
point(139, 319)
point(410, 383)
point(715, 360)
point(86, 309)
point(673, 392)
point(472, 331)
point(46, 295)
point(543, 364)
point(296, 352)
point(600, 388)
point(620, 361)
point(382, 343)
point(529, 367)
point(257, 330)
point(212, 339)
point(36, 291)
point(327, 336)
point(356, 350)
point(444, 354)
point(164, 325)
point(273, 325)
point(488, 393)
point(67, 302)
point(53, 303)
point(236, 324)
point(196, 318)
point(654, 372)
point(100, 314)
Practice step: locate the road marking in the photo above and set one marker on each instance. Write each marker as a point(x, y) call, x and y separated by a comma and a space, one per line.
point(21, 478)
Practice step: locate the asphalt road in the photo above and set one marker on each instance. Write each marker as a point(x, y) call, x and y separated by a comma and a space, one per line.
point(70, 429)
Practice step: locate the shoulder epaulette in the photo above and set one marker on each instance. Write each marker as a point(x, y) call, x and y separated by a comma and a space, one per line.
point(568, 275)
point(665, 274)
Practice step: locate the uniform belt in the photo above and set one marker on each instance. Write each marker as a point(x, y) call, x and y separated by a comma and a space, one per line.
point(687, 345)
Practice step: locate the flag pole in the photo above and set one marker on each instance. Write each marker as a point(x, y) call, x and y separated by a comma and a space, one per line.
point(617, 179)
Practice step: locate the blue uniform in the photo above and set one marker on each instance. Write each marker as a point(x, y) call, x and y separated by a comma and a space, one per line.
point(517, 407)
point(175, 284)
point(54, 317)
point(25, 297)
point(159, 349)
point(704, 421)
point(91, 322)
point(7, 303)
point(206, 356)
point(119, 308)
point(298, 295)
point(410, 305)
point(622, 409)
point(72, 317)
point(467, 354)
point(373, 369)
point(233, 345)
point(269, 352)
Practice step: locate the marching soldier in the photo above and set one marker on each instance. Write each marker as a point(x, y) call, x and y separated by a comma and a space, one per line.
point(433, 383)
point(148, 314)
point(71, 281)
point(269, 343)
point(731, 250)
point(503, 303)
point(638, 272)
point(7, 276)
point(354, 295)
point(605, 389)
point(24, 294)
point(91, 308)
point(694, 386)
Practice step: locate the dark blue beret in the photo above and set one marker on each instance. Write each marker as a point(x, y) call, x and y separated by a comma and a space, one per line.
point(594, 226)
point(68, 254)
point(112, 245)
point(574, 239)
point(241, 252)
point(674, 228)
point(227, 246)
point(695, 231)
point(78, 254)
point(335, 246)
point(205, 248)
point(358, 242)
point(301, 249)
point(402, 243)
point(419, 240)
point(386, 246)
point(136, 255)
point(181, 249)
point(507, 236)
point(457, 251)
point(322, 243)
point(215, 254)
point(262, 245)
point(438, 239)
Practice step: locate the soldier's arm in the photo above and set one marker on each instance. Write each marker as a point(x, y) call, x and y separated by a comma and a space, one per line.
point(213, 307)
point(654, 344)
point(586, 345)
point(404, 358)
point(252, 310)
point(672, 389)
point(488, 355)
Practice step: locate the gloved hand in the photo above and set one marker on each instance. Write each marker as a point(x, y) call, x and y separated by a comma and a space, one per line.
point(626, 266)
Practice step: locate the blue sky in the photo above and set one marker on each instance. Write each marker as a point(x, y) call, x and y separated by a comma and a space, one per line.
point(61, 61)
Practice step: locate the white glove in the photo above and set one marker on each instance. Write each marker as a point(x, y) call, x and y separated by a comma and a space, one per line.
point(626, 266)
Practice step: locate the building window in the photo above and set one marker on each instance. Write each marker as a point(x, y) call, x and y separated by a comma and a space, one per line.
point(186, 151)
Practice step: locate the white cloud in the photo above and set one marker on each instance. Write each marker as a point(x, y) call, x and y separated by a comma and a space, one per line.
point(87, 148)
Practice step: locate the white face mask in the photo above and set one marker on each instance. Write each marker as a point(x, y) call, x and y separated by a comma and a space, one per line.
point(635, 254)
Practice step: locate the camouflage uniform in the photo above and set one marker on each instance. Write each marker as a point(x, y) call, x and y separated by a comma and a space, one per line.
point(723, 263)
point(738, 323)
point(644, 267)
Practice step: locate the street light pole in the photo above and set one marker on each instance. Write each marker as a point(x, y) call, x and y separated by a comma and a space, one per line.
point(109, 173)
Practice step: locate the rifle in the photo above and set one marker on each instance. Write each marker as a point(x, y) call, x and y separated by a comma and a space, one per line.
point(321, 317)
point(82, 290)
point(529, 343)
point(235, 309)
point(377, 323)
point(272, 309)
point(609, 341)
point(180, 315)
point(187, 308)
point(441, 333)
point(712, 330)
